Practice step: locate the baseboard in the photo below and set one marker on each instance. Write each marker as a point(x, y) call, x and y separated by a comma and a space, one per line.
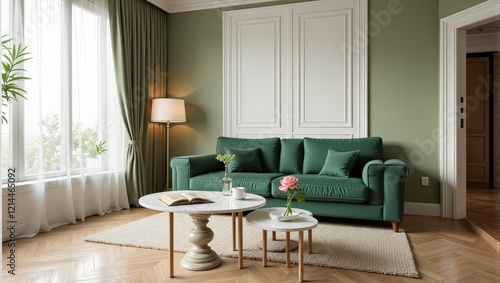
point(425, 209)
point(494, 243)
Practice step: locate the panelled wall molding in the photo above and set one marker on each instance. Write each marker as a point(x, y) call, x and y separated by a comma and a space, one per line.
point(296, 70)
point(177, 6)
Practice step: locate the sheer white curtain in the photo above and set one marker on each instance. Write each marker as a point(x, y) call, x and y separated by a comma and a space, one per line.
point(94, 88)
point(71, 109)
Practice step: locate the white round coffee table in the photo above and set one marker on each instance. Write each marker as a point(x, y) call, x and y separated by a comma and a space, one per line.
point(260, 218)
point(200, 256)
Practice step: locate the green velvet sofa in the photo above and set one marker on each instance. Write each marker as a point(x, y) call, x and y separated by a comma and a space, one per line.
point(337, 183)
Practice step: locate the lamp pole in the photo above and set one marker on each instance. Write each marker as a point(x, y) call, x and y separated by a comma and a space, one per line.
point(168, 156)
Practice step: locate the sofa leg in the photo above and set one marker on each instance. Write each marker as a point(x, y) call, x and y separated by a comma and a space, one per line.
point(395, 226)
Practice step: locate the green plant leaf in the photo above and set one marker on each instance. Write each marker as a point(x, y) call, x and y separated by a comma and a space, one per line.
point(100, 149)
point(6, 40)
point(20, 79)
point(14, 56)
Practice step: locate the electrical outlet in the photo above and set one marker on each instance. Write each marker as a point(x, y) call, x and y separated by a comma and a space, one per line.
point(424, 181)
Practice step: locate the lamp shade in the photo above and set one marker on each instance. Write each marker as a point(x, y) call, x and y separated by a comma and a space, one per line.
point(168, 110)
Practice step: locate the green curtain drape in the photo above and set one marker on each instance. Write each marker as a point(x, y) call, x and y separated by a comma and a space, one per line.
point(139, 40)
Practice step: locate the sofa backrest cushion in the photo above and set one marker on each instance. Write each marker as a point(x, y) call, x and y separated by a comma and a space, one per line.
point(247, 160)
point(292, 156)
point(316, 150)
point(269, 150)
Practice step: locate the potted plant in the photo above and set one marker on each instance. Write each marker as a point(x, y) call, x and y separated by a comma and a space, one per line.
point(12, 59)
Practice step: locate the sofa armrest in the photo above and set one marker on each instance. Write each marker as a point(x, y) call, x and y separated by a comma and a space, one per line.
point(386, 181)
point(186, 167)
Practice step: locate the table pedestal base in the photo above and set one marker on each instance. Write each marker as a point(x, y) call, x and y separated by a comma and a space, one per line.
point(200, 256)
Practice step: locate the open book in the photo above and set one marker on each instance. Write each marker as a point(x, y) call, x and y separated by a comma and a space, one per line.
point(184, 198)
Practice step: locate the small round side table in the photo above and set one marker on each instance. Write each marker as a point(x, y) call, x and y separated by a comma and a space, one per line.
point(304, 222)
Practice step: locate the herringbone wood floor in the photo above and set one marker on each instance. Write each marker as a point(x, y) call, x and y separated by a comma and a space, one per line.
point(445, 251)
point(483, 213)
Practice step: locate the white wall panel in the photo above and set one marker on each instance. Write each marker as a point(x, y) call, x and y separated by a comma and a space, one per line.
point(324, 93)
point(256, 72)
point(296, 70)
point(258, 97)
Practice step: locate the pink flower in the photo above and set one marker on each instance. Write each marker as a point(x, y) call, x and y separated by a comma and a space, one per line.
point(289, 183)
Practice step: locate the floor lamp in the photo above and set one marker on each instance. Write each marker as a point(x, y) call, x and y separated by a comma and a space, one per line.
point(168, 110)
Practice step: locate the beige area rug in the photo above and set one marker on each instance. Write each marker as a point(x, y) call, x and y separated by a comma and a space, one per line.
point(345, 246)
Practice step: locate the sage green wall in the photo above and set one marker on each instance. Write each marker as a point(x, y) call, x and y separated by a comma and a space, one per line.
point(449, 7)
point(195, 75)
point(403, 83)
point(404, 89)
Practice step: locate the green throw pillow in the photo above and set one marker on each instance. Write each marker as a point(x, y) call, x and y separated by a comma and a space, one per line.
point(247, 160)
point(338, 163)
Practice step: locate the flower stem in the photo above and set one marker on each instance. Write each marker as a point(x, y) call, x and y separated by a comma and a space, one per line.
point(288, 209)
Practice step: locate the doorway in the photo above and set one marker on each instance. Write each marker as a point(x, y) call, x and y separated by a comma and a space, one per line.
point(479, 120)
point(452, 148)
point(483, 203)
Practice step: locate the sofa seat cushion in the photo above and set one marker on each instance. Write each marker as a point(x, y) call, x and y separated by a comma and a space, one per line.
point(255, 183)
point(327, 188)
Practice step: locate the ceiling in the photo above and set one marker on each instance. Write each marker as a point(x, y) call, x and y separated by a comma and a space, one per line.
point(176, 6)
point(492, 27)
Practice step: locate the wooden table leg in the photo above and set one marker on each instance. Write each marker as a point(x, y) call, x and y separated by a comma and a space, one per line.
point(310, 241)
point(301, 256)
point(273, 235)
point(264, 248)
point(287, 249)
point(233, 219)
point(171, 244)
point(240, 239)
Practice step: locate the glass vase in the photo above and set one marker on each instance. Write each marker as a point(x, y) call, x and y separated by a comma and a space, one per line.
point(227, 182)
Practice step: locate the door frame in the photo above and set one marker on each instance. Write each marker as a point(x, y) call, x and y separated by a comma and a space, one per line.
point(452, 65)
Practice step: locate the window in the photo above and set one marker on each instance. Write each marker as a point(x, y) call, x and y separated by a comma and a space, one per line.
point(71, 88)
point(4, 130)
